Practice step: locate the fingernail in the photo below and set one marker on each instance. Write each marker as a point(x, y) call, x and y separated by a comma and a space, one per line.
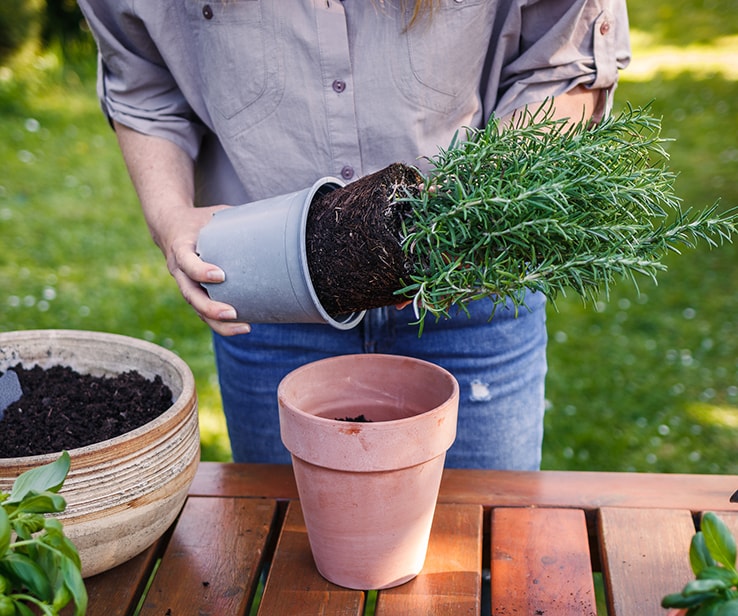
point(243, 328)
point(215, 275)
point(227, 315)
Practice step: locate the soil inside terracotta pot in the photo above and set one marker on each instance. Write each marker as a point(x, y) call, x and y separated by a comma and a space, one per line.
point(63, 409)
point(358, 419)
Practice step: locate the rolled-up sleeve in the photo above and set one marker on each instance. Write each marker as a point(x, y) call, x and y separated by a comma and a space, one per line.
point(135, 87)
point(549, 47)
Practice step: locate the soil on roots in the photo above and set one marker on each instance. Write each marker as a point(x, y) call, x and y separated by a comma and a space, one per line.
point(353, 241)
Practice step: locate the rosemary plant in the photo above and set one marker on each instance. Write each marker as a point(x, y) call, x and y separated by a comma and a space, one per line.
point(547, 206)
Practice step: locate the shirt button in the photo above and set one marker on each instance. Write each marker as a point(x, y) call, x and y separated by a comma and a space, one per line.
point(605, 28)
point(339, 85)
point(347, 172)
point(207, 12)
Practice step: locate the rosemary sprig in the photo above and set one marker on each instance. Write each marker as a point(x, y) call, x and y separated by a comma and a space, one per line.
point(547, 206)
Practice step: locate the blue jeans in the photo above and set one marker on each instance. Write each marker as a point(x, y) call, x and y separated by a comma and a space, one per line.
point(500, 365)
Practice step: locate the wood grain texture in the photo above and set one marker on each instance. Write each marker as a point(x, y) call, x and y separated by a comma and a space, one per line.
point(645, 555)
point(450, 582)
point(211, 564)
point(540, 563)
point(584, 490)
point(538, 548)
point(294, 585)
point(117, 592)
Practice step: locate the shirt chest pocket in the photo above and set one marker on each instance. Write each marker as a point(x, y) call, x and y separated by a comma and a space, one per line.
point(239, 59)
point(445, 54)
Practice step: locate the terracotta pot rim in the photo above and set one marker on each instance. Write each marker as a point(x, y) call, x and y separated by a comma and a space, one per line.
point(160, 423)
point(425, 431)
point(368, 357)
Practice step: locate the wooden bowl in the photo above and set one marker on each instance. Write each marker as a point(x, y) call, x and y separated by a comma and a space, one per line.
point(123, 493)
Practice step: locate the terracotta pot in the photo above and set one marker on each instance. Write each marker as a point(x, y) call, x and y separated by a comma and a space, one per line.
point(368, 490)
point(123, 493)
point(261, 247)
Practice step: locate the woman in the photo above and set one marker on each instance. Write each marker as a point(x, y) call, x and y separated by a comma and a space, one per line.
point(224, 102)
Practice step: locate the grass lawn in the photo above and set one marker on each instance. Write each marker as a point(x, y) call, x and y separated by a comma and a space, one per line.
point(77, 253)
point(643, 381)
point(649, 381)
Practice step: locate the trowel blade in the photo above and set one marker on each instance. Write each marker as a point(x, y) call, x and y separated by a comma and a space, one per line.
point(10, 390)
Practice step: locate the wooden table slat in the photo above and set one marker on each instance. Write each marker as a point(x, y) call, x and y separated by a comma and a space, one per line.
point(294, 584)
point(581, 489)
point(213, 559)
point(645, 555)
point(451, 579)
point(541, 526)
point(117, 592)
point(540, 563)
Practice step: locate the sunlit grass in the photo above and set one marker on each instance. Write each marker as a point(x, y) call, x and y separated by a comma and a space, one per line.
point(722, 417)
point(623, 377)
point(648, 381)
point(701, 59)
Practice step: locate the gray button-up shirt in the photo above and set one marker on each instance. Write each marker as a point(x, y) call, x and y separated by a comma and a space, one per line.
point(296, 90)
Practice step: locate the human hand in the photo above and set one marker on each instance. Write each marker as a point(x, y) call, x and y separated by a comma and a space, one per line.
point(178, 241)
point(163, 174)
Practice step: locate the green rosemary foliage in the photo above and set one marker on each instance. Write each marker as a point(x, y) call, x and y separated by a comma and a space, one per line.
point(547, 206)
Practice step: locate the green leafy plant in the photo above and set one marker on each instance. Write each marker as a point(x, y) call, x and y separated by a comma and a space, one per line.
point(39, 565)
point(547, 206)
point(712, 555)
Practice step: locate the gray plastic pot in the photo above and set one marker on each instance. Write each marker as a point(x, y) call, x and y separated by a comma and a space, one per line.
point(261, 248)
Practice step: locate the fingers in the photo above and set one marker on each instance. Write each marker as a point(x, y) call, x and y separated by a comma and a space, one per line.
point(219, 316)
point(190, 271)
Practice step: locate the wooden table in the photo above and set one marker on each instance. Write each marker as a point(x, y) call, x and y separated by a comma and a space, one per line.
point(503, 542)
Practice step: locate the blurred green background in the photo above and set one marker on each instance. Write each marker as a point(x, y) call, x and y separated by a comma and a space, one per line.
point(640, 382)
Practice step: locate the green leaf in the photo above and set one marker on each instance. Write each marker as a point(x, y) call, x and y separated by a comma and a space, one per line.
point(719, 540)
point(58, 557)
point(699, 556)
point(715, 572)
point(23, 610)
point(729, 608)
point(698, 587)
point(62, 597)
point(708, 608)
point(49, 561)
point(24, 571)
point(74, 582)
point(27, 524)
point(678, 600)
point(47, 478)
point(44, 502)
point(4, 531)
point(53, 526)
point(55, 537)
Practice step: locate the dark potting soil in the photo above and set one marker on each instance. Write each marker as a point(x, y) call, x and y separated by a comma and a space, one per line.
point(353, 241)
point(63, 409)
point(358, 419)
